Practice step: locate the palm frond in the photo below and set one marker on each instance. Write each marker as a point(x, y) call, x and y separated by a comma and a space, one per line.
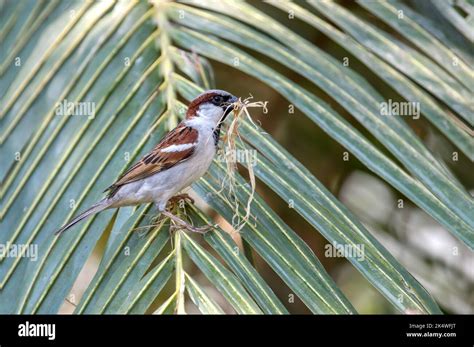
point(133, 63)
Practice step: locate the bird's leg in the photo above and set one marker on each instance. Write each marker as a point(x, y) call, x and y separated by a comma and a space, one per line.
point(186, 225)
point(175, 200)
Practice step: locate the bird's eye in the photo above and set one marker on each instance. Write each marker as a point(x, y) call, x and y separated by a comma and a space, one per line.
point(217, 100)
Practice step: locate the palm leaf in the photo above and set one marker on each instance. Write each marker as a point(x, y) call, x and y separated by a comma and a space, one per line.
point(132, 62)
point(285, 174)
point(199, 297)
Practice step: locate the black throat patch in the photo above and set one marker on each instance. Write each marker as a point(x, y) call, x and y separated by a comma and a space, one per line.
point(217, 133)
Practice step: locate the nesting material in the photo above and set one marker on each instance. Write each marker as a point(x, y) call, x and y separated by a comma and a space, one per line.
point(231, 135)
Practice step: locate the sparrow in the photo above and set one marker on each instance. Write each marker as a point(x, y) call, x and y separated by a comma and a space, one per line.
point(179, 159)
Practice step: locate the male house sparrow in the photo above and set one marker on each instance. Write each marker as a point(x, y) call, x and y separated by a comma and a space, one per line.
point(181, 158)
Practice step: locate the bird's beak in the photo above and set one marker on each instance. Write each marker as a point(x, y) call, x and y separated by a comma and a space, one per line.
point(229, 108)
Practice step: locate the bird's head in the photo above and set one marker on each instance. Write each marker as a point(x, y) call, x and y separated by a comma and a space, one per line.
point(212, 106)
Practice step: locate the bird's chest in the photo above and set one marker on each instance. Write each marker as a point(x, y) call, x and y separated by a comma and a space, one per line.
point(185, 173)
point(202, 156)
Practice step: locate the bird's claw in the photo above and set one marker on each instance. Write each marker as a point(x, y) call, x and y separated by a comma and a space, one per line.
point(176, 200)
point(178, 223)
point(200, 230)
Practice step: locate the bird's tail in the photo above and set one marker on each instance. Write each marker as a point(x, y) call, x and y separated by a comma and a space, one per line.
point(100, 206)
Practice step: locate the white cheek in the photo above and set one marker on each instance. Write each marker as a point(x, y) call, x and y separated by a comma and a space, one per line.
point(211, 112)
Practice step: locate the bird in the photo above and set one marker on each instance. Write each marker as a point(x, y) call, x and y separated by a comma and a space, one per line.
point(179, 159)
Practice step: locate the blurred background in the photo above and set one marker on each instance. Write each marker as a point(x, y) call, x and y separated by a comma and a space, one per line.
point(443, 265)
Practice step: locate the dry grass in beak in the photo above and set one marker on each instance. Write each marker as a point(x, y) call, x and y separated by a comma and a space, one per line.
point(240, 113)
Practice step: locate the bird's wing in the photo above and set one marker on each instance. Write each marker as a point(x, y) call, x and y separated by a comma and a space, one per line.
point(177, 146)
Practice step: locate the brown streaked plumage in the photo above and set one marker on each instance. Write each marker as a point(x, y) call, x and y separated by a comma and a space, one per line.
point(158, 160)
